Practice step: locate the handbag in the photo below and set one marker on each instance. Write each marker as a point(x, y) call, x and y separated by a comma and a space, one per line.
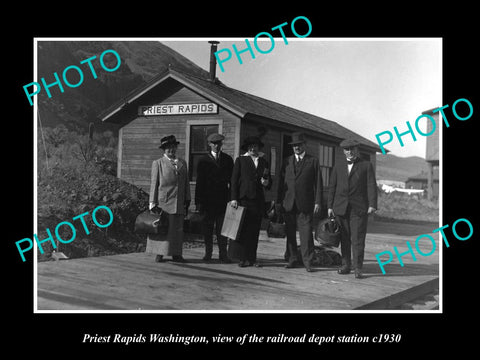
point(328, 232)
point(276, 230)
point(151, 222)
point(276, 225)
point(322, 256)
point(194, 222)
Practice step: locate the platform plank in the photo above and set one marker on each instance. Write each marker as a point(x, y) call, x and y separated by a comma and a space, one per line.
point(136, 282)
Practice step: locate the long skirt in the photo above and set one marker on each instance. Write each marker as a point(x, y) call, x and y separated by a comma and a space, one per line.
point(170, 244)
point(245, 248)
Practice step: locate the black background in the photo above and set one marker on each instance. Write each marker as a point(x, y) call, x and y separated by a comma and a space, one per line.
point(62, 334)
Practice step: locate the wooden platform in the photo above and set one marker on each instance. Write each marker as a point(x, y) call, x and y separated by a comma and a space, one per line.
point(135, 282)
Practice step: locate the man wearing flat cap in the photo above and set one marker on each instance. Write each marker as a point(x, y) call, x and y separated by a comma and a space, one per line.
point(299, 192)
point(212, 193)
point(250, 178)
point(352, 196)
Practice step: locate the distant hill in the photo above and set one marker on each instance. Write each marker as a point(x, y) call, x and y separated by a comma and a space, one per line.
point(391, 167)
point(76, 107)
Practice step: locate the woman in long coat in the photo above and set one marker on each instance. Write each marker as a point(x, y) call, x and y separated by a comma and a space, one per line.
point(250, 178)
point(170, 191)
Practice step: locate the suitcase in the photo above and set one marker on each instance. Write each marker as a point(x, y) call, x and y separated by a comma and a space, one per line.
point(150, 222)
point(328, 232)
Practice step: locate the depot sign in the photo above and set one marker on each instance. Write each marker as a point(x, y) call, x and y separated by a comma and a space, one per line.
point(178, 109)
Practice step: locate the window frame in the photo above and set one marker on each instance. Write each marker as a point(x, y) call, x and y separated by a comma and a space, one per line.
point(196, 122)
point(326, 159)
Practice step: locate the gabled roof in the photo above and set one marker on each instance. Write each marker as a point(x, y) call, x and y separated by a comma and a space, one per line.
point(242, 104)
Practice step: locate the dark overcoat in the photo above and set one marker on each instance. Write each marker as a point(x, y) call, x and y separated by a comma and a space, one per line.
point(246, 179)
point(212, 190)
point(302, 187)
point(359, 188)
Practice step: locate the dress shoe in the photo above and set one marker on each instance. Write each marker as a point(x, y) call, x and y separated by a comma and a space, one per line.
point(359, 274)
point(257, 264)
point(243, 263)
point(178, 258)
point(344, 270)
point(291, 265)
point(159, 258)
point(309, 269)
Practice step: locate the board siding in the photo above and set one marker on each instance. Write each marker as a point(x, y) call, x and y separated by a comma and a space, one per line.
point(141, 137)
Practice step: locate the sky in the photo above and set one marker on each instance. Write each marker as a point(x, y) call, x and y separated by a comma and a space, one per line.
point(367, 85)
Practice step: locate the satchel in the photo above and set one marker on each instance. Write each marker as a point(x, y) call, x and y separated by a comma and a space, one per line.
point(276, 230)
point(328, 232)
point(149, 222)
point(194, 223)
point(322, 257)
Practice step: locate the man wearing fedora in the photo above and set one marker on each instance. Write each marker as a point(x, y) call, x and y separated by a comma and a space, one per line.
point(250, 177)
point(352, 196)
point(170, 191)
point(299, 193)
point(212, 193)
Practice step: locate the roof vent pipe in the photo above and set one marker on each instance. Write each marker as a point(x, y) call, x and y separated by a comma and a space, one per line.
point(213, 60)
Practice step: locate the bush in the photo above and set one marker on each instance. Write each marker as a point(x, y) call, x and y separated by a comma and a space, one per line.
point(72, 179)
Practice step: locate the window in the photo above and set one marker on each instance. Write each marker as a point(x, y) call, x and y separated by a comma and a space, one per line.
point(325, 158)
point(197, 133)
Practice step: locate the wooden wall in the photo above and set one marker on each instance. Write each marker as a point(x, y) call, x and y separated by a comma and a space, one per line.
point(274, 138)
point(140, 138)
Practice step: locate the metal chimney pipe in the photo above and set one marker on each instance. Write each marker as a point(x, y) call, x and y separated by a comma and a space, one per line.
point(213, 60)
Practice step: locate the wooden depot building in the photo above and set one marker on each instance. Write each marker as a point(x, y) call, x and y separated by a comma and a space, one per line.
point(191, 106)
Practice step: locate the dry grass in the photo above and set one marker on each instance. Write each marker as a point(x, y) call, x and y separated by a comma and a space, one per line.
point(401, 206)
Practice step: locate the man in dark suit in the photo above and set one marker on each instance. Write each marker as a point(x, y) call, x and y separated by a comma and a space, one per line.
point(212, 193)
point(352, 196)
point(251, 175)
point(299, 192)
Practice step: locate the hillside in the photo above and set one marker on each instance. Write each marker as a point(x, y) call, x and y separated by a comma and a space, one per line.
point(76, 171)
point(391, 167)
point(77, 107)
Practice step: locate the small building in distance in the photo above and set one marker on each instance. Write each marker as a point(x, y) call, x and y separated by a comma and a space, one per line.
point(432, 157)
point(420, 181)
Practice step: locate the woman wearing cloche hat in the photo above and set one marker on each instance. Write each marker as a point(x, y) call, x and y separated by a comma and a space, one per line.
point(250, 178)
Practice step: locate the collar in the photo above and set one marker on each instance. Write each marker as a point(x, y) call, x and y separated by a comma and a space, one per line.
point(174, 160)
point(215, 154)
point(300, 156)
point(353, 161)
point(252, 156)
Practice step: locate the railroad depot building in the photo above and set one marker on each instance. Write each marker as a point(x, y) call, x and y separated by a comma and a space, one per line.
point(191, 107)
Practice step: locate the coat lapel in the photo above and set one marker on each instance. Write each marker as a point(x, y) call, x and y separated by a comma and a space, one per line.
point(291, 165)
point(345, 170)
point(354, 168)
point(171, 166)
point(300, 165)
point(251, 163)
point(212, 159)
point(179, 165)
point(259, 168)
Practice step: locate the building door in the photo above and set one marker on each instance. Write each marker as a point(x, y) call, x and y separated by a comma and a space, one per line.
point(199, 145)
point(286, 148)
